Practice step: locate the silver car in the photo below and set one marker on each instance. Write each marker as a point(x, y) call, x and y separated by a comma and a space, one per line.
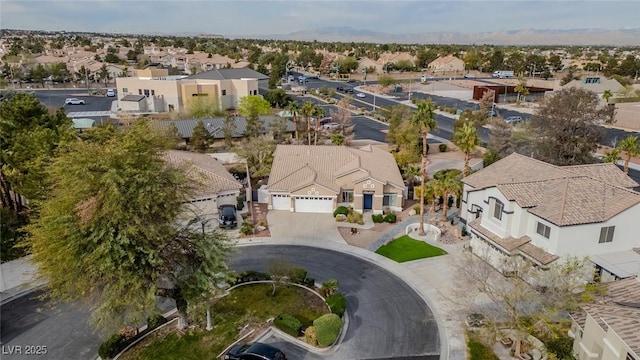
point(73, 101)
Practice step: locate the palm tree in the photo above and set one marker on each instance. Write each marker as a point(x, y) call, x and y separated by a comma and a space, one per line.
point(607, 94)
point(424, 118)
point(319, 113)
point(631, 146)
point(612, 156)
point(448, 183)
point(308, 109)
point(522, 90)
point(103, 74)
point(466, 138)
point(293, 110)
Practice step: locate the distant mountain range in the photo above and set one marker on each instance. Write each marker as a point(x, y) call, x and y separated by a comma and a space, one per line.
point(629, 37)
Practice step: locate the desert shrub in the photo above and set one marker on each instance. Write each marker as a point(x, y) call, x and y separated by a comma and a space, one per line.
point(327, 328)
point(246, 228)
point(390, 218)
point(128, 332)
point(250, 275)
point(288, 324)
point(112, 346)
point(360, 220)
point(351, 218)
point(240, 202)
point(337, 303)
point(341, 217)
point(416, 208)
point(156, 320)
point(310, 336)
point(478, 350)
point(341, 210)
point(298, 275)
point(377, 218)
point(442, 147)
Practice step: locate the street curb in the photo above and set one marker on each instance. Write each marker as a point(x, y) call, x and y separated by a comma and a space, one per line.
point(26, 291)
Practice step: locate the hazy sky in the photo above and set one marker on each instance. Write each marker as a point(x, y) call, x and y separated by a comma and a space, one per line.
point(242, 17)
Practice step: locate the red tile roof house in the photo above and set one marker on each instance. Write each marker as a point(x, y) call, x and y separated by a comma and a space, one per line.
point(542, 212)
point(318, 179)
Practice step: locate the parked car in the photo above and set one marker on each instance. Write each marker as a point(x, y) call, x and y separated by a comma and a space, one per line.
point(469, 76)
point(351, 80)
point(513, 119)
point(111, 92)
point(425, 78)
point(73, 101)
point(291, 78)
point(339, 88)
point(493, 113)
point(255, 351)
point(361, 95)
point(331, 125)
point(348, 90)
point(227, 216)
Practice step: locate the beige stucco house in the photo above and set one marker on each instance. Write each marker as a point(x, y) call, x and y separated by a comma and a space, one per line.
point(609, 329)
point(446, 65)
point(318, 179)
point(173, 93)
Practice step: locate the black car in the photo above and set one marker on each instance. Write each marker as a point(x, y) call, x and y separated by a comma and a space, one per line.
point(348, 90)
point(340, 88)
point(227, 216)
point(255, 351)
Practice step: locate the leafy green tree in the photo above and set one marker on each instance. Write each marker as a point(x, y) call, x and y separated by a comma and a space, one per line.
point(386, 80)
point(104, 75)
point(278, 128)
point(466, 138)
point(110, 231)
point(251, 107)
point(200, 138)
point(347, 65)
point(567, 127)
point(258, 152)
point(203, 106)
point(631, 146)
point(278, 98)
point(112, 58)
point(229, 128)
point(39, 74)
point(83, 75)
point(424, 118)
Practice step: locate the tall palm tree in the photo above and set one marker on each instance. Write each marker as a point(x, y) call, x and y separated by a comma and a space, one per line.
point(631, 146)
point(612, 156)
point(294, 109)
point(466, 138)
point(308, 109)
point(319, 113)
point(424, 118)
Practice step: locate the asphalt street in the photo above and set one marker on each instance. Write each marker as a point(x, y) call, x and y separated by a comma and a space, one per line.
point(387, 319)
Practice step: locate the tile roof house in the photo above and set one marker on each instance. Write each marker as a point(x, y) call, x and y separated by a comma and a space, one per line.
point(215, 125)
point(597, 84)
point(216, 186)
point(318, 179)
point(609, 328)
point(526, 207)
point(446, 65)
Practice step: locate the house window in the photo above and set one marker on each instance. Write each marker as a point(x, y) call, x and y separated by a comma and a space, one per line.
point(389, 199)
point(543, 230)
point(153, 92)
point(606, 234)
point(224, 92)
point(146, 92)
point(139, 91)
point(497, 209)
point(347, 196)
point(125, 90)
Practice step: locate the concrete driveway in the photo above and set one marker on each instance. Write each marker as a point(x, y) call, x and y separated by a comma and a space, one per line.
point(302, 228)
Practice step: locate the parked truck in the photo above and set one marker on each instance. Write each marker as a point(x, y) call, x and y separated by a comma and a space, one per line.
point(502, 74)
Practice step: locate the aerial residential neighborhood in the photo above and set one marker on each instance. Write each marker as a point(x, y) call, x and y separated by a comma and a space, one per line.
point(293, 182)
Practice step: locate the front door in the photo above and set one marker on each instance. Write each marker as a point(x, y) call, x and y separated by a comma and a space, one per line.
point(368, 202)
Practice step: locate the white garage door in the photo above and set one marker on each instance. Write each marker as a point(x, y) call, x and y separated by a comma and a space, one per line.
point(311, 204)
point(281, 202)
point(227, 199)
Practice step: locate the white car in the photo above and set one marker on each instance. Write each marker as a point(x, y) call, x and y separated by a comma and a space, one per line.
point(469, 76)
point(111, 92)
point(73, 101)
point(361, 95)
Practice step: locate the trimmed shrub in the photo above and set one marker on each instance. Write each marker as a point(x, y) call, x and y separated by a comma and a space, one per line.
point(156, 320)
point(390, 218)
point(416, 208)
point(310, 336)
point(337, 303)
point(246, 228)
point(341, 210)
point(298, 275)
point(250, 275)
point(377, 218)
point(112, 346)
point(310, 282)
point(240, 202)
point(442, 147)
point(327, 329)
point(288, 324)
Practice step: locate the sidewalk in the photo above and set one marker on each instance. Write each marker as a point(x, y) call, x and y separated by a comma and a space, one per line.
point(18, 277)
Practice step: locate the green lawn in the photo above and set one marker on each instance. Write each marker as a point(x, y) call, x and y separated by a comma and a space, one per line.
point(406, 249)
point(245, 305)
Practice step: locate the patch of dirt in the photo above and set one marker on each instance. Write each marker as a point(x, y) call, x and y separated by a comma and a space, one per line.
point(258, 215)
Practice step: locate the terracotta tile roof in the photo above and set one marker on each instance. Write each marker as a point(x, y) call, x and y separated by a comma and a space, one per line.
point(569, 195)
point(211, 175)
point(295, 166)
point(537, 254)
point(444, 60)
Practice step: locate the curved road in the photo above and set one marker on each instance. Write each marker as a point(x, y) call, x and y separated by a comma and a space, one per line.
point(387, 319)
